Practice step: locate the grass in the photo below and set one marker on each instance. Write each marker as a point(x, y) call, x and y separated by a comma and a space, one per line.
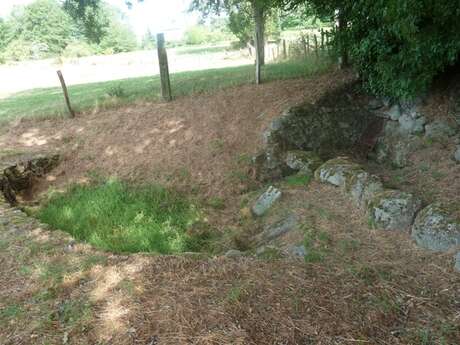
point(298, 180)
point(126, 219)
point(49, 102)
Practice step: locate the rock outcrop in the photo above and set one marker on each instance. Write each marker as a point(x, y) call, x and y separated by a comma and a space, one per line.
point(393, 210)
point(436, 228)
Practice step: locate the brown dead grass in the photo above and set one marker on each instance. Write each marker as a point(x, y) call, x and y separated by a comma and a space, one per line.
point(372, 287)
point(198, 142)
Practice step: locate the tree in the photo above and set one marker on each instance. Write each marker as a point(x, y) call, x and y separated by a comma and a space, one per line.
point(398, 46)
point(42, 24)
point(91, 17)
point(4, 34)
point(259, 10)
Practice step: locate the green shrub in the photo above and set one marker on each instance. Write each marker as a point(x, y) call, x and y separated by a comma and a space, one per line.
point(398, 46)
point(18, 50)
point(77, 49)
point(122, 218)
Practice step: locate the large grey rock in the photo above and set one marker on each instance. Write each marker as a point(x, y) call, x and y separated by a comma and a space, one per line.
point(265, 201)
point(395, 112)
point(457, 262)
point(273, 231)
point(337, 171)
point(395, 147)
point(457, 154)
point(439, 130)
point(410, 125)
point(436, 229)
point(393, 210)
point(363, 187)
point(303, 161)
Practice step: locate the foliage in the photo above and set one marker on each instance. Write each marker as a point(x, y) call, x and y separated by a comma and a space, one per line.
point(149, 40)
point(42, 24)
point(77, 49)
point(18, 50)
point(90, 16)
point(119, 38)
point(200, 34)
point(44, 28)
point(121, 218)
point(398, 46)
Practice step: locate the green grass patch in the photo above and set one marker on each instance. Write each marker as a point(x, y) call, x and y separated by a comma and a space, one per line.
point(122, 218)
point(49, 102)
point(298, 180)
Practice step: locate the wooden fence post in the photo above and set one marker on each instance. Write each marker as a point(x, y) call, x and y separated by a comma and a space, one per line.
point(66, 94)
point(322, 39)
point(257, 42)
point(305, 46)
point(164, 68)
point(284, 50)
point(316, 45)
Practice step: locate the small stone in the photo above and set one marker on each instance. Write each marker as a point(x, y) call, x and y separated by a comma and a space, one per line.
point(393, 210)
point(70, 247)
point(363, 187)
point(269, 252)
point(457, 154)
point(233, 253)
point(419, 125)
point(277, 229)
point(436, 229)
point(305, 162)
point(439, 130)
point(336, 171)
point(297, 251)
point(375, 104)
point(406, 124)
point(266, 201)
point(394, 113)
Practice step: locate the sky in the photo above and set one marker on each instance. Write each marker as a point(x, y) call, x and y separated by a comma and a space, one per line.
point(156, 15)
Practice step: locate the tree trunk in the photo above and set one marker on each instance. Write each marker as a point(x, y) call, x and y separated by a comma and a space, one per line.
point(342, 27)
point(260, 30)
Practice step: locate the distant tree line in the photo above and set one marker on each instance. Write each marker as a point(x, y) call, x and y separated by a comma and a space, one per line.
point(73, 28)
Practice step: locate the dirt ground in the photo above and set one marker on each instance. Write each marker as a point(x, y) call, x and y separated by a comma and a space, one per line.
point(370, 287)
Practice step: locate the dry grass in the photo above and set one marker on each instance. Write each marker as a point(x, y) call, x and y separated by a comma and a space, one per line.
point(370, 287)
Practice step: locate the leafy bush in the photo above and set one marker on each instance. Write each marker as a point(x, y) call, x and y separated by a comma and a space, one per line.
point(406, 44)
point(18, 50)
point(77, 49)
point(398, 46)
point(121, 218)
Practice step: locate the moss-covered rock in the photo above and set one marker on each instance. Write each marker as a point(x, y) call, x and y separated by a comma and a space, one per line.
point(363, 187)
point(393, 210)
point(437, 228)
point(338, 171)
point(395, 147)
point(304, 162)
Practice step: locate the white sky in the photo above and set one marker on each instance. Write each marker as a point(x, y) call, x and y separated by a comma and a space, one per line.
point(156, 15)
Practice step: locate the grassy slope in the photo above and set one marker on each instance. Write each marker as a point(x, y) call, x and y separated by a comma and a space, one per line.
point(49, 102)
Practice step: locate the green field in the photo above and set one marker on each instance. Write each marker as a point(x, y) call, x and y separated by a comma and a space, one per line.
point(49, 102)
